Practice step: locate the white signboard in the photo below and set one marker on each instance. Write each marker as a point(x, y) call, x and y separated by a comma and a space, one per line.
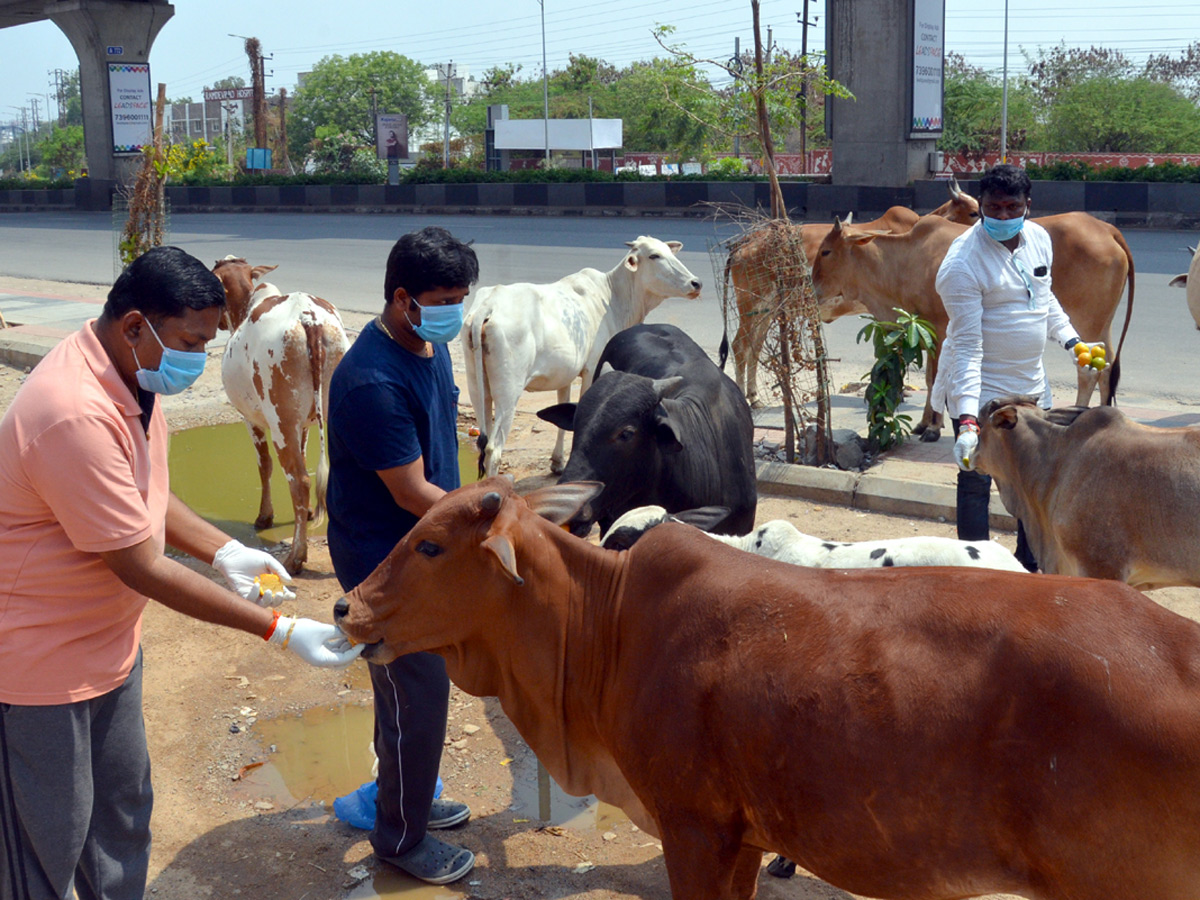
point(245, 93)
point(132, 118)
point(929, 44)
point(563, 134)
point(391, 136)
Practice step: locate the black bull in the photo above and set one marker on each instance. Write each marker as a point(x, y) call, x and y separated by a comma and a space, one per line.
point(665, 426)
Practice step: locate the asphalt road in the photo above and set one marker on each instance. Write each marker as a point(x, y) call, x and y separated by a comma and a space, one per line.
point(341, 257)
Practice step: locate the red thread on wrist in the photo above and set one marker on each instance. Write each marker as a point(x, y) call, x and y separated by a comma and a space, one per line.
point(274, 622)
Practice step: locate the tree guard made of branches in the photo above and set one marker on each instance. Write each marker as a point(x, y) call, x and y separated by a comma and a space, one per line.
point(777, 288)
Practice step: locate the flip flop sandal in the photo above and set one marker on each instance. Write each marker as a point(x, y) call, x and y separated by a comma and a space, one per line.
point(434, 861)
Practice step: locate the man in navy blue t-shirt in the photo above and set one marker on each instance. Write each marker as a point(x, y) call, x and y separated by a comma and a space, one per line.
point(393, 451)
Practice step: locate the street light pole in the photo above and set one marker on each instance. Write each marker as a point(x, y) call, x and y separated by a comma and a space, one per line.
point(545, 86)
point(1004, 95)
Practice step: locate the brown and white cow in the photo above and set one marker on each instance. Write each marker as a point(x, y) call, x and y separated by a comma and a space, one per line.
point(882, 272)
point(281, 353)
point(901, 733)
point(1099, 494)
point(1191, 281)
point(749, 271)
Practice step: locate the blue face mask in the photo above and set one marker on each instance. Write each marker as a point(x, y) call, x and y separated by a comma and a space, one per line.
point(176, 372)
point(439, 324)
point(1003, 229)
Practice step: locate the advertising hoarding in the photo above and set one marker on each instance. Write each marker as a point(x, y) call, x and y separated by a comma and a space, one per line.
point(132, 118)
point(929, 44)
point(391, 135)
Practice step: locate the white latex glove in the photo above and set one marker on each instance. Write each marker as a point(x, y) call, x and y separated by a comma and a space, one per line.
point(317, 644)
point(240, 565)
point(965, 446)
point(1075, 347)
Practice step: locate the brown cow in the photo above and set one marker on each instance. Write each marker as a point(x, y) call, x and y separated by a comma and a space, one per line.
point(1099, 494)
point(1092, 263)
point(281, 353)
point(901, 733)
point(748, 270)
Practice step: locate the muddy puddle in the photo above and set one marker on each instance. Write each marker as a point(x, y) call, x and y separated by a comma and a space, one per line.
point(214, 470)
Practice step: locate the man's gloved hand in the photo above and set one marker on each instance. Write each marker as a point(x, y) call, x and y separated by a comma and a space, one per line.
point(317, 644)
point(1093, 356)
point(968, 441)
point(240, 565)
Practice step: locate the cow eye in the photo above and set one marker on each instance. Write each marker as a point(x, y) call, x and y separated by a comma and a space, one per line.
point(825, 252)
point(628, 433)
point(656, 256)
point(428, 548)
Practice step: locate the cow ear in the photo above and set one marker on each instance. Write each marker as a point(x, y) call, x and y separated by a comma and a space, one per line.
point(502, 548)
point(605, 368)
point(675, 246)
point(561, 414)
point(259, 271)
point(1004, 417)
point(706, 518)
point(560, 502)
point(865, 237)
point(1179, 281)
point(665, 433)
point(631, 261)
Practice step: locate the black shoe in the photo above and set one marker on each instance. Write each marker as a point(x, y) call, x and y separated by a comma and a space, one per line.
point(433, 861)
point(447, 814)
point(781, 867)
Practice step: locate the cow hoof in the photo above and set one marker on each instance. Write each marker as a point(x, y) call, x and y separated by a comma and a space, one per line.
point(293, 566)
point(929, 435)
point(264, 521)
point(756, 403)
point(781, 867)
point(556, 467)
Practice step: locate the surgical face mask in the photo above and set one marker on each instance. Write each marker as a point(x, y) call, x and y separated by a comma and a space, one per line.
point(439, 324)
point(177, 371)
point(1003, 229)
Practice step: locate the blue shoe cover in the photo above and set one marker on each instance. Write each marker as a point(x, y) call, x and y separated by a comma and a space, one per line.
point(358, 807)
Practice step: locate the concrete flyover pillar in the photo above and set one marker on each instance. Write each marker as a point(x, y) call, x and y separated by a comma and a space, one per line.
point(888, 53)
point(103, 32)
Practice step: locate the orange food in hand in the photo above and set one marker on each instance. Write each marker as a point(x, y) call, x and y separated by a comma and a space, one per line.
point(268, 581)
point(1080, 348)
point(1098, 363)
point(1084, 359)
point(1098, 350)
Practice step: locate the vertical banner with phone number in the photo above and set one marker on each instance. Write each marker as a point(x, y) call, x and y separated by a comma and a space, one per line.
point(132, 119)
point(929, 44)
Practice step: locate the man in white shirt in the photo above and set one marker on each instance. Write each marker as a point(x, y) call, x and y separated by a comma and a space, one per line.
point(995, 285)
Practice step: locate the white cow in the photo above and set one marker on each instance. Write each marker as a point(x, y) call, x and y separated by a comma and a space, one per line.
point(541, 337)
point(1191, 281)
point(281, 354)
point(780, 540)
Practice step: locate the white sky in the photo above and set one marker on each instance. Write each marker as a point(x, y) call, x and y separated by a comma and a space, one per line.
point(194, 48)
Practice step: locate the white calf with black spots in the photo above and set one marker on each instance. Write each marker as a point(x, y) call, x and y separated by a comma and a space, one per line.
point(782, 541)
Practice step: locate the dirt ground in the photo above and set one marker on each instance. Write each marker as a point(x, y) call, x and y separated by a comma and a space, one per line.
point(208, 691)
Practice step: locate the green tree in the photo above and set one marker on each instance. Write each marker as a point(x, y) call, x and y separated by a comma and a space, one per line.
point(972, 104)
point(665, 106)
point(1131, 115)
point(336, 97)
point(61, 151)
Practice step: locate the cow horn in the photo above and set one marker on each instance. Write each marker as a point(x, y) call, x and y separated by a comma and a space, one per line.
point(955, 190)
point(849, 218)
point(490, 502)
point(664, 387)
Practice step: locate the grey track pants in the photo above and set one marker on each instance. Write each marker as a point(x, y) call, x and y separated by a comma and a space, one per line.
point(75, 798)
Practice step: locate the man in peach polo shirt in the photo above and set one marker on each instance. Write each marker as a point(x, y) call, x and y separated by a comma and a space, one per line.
point(85, 512)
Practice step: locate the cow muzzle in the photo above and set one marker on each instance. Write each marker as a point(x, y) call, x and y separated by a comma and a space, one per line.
point(372, 650)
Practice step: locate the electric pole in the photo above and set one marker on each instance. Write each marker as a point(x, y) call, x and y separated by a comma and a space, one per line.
point(804, 23)
point(60, 88)
point(736, 65)
point(449, 102)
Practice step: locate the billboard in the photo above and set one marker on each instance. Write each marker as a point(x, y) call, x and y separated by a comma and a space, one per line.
point(929, 43)
point(391, 135)
point(129, 96)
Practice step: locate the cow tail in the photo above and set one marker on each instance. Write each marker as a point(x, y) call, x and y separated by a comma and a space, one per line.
point(1115, 375)
point(723, 350)
point(478, 390)
point(317, 358)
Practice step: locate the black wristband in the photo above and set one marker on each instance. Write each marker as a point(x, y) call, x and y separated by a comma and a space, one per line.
point(1071, 343)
